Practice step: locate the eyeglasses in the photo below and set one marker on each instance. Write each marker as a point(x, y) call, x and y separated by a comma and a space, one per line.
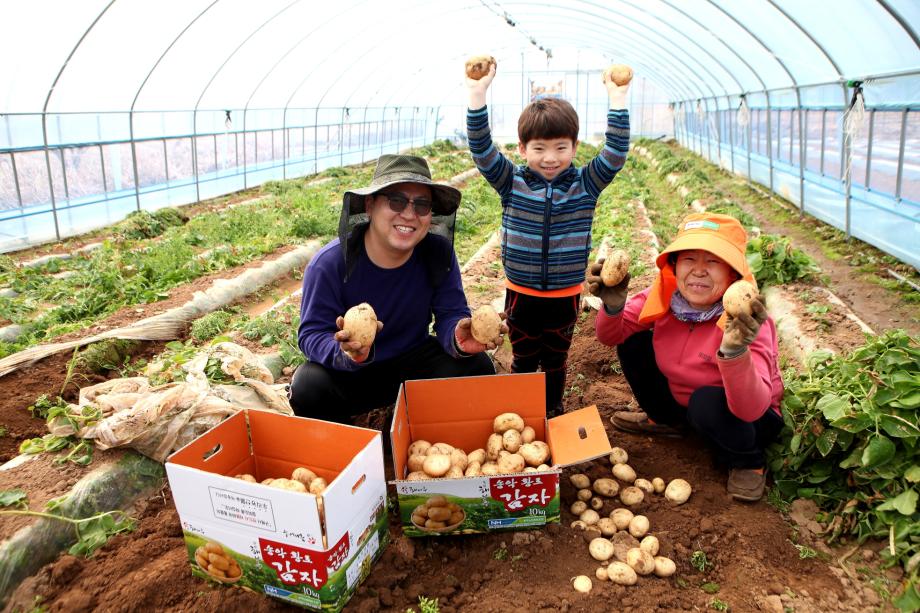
point(398, 204)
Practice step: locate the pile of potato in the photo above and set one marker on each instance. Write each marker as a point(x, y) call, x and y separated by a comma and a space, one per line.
point(511, 448)
point(302, 480)
point(616, 538)
point(438, 514)
point(213, 560)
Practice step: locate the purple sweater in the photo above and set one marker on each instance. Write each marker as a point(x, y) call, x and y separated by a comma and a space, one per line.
point(403, 299)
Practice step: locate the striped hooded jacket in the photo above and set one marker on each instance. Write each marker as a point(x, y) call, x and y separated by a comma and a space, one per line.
point(546, 226)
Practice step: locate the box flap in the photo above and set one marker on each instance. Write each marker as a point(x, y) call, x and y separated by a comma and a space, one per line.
point(360, 485)
point(221, 450)
point(399, 434)
point(578, 436)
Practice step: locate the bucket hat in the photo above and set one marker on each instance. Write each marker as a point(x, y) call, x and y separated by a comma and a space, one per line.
point(392, 169)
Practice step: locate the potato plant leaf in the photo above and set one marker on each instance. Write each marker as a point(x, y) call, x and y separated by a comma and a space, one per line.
point(879, 451)
point(904, 503)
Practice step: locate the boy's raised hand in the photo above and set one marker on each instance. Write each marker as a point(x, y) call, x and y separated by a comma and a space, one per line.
point(480, 70)
point(617, 79)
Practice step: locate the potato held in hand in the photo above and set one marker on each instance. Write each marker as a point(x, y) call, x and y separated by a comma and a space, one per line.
point(615, 267)
point(621, 74)
point(486, 324)
point(738, 297)
point(478, 66)
point(361, 324)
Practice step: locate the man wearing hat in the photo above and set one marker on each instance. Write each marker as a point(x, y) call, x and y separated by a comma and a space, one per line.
point(687, 361)
point(395, 252)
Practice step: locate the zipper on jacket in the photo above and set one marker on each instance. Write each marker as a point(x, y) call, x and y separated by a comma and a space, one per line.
point(544, 264)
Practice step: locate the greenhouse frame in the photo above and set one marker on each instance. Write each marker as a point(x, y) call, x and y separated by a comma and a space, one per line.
point(128, 105)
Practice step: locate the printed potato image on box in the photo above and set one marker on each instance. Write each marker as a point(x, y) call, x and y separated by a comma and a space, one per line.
point(477, 454)
point(249, 523)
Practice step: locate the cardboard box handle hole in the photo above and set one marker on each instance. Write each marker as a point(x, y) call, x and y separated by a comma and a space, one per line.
point(210, 453)
point(582, 433)
point(358, 483)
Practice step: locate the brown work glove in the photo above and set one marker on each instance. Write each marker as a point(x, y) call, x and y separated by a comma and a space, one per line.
point(741, 331)
point(614, 298)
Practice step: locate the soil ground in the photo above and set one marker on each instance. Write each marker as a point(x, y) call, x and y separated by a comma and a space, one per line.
point(754, 562)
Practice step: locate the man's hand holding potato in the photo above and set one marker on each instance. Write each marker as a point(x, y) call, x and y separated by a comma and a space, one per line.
point(354, 349)
point(467, 343)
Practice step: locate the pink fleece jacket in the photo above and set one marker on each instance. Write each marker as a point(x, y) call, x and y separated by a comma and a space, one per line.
point(686, 354)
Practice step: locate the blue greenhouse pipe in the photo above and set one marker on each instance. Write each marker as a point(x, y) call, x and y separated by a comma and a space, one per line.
point(137, 187)
point(57, 230)
point(901, 21)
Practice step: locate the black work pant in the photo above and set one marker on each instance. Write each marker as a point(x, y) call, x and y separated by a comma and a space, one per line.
point(736, 442)
point(336, 395)
point(541, 332)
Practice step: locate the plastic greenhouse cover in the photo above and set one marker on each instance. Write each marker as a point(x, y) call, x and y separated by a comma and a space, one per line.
point(211, 55)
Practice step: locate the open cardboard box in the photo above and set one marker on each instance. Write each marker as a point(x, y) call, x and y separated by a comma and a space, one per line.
point(308, 550)
point(460, 412)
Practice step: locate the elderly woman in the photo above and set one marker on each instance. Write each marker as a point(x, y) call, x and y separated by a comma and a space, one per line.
point(688, 362)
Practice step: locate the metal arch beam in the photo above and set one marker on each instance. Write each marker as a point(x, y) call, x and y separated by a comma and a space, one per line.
point(901, 21)
point(728, 47)
point(137, 187)
point(57, 230)
point(808, 35)
point(669, 26)
point(676, 60)
point(651, 31)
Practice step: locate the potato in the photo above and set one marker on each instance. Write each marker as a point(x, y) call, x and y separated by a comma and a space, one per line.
point(530, 469)
point(437, 501)
point(589, 516)
point(511, 463)
point(615, 267)
point(418, 475)
point(456, 517)
point(211, 547)
point(606, 487)
point(678, 491)
point(246, 477)
point(511, 440)
point(528, 435)
point(502, 453)
point(507, 421)
point(601, 573)
point(439, 513)
point(621, 518)
point(459, 458)
point(584, 495)
point(664, 567)
point(535, 453)
point(658, 484)
point(494, 446)
point(578, 525)
point(638, 526)
point(267, 481)
point(479, 455)
point(419, 447)
point(288, 484)
point(436, 465)
point(234, 571)
point(601, 549)
point(650, 544)
point(478, 66)
point(621, 74)
point(433, 525)
point(641, 561)
point(361, 324)
point(318, 486)
point(618, 455)
point(473, 469)
point(622, 573)
point(489, 468)
point(543, 468)
point(582, 584)
point(645, 485)
point(578, 507)
point(580, 481)
point(416, 462)
point(304, 475)
point(631, 496)
point(219, 561)
point(596, 503)
point(486, 327)
point(442, 448)
point(455, 472)
point(738, 297)
point(624, 472)
point(606, 526)
point(213, 570)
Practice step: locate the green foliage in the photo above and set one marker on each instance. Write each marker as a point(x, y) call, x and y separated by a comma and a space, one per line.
point(501, 553)
point(211, 325)
point(144, 224)
point(91, 532)
point(14, 498)
point(710, 587)
point(699, 561)
point(106, 355)
point(426, 605)
point(774, 261)
point(719, 605)
point(851, 441)
point(169, 365)
point(43, 405)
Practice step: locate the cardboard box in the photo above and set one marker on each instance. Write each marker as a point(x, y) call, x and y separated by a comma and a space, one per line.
point(308, 550)
point(460, 412)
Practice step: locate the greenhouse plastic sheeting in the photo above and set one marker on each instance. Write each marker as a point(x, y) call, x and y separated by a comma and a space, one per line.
point(112, 106)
